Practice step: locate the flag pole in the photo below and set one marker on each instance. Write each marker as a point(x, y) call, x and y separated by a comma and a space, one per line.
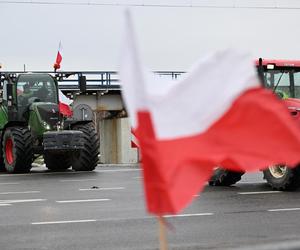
point(163, 243)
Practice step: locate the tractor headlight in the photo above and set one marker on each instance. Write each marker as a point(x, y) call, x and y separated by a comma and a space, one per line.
point(46, 126)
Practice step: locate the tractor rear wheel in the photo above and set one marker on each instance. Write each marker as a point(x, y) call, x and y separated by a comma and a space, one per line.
point(87, 158)
point(281, 177)
point(57, 162)
point(223, 177)
point(17, 150)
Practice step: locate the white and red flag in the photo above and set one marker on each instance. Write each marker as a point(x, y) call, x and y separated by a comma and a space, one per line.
point(58, 59)
point(64, 104)
point(216, 115)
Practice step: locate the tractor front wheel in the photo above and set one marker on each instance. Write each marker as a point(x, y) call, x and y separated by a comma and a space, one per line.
point(87, 158)
point(17, 150)
point(281, 177)
point(224, 177)
point(57, 162)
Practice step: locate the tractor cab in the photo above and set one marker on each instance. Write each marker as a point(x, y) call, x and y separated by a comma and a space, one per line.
point(32, 99)
point(283, 78)
point(35, 88)
point(37, 101)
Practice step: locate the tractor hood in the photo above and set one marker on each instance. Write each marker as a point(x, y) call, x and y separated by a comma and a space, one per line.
point(43, 117)
point(293, 106)
point(292, 103)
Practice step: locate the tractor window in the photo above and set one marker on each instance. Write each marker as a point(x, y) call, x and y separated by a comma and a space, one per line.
point(285, 82)
point(297, 84)
point(36, 88)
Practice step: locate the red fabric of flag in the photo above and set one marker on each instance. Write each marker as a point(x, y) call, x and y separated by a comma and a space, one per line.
point(177, 169)
point(58, 58)
point(64, 104)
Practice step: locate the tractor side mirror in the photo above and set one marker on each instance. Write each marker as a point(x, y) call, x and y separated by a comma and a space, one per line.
point(82, 83)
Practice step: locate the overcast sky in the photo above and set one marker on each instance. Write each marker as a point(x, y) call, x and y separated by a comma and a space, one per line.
point(171, 38)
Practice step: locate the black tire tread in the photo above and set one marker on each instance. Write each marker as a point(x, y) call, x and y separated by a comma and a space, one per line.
point(87, 158)
point(223, 177)
point(22, 140)
point(57, 162)
point(289, 183)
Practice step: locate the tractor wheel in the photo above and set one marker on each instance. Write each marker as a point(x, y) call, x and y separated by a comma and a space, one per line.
point(87, 158)
point(223, 177)
point(57, 162)
point(281, 177)
point(17, 150)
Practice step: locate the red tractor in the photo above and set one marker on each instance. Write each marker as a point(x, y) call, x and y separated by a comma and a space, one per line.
point(283, 77)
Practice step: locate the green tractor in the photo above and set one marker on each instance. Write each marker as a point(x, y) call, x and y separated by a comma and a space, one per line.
point(31, 125)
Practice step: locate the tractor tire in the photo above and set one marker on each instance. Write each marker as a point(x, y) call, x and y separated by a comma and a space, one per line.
point(87, 158)
point(17, 150)
point(57, 162)
point(281, 177)
point(223, 177)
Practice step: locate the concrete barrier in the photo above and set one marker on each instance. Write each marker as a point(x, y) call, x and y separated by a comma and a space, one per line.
point(115, 142)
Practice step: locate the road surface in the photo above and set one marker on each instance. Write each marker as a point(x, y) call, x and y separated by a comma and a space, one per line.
point(105, 209)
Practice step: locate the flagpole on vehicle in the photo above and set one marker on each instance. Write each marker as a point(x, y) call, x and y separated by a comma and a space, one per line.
point(163, 243)
point(58, 59)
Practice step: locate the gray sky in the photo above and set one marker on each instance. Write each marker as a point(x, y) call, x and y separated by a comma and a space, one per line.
point(171, 38)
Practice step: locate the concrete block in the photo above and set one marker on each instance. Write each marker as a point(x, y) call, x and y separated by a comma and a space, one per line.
point(115, 142)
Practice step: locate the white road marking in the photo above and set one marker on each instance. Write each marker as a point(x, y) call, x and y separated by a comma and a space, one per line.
point(38, 173)
point(252, 182)
point(9, 183)
point(101, 188)
point(188, 215)
point(21, 192)
point(66, 180)
point(284, 209)
point(117, 170)
point(20, 201)
point(61, 222)
point(78, 201)
point(116, 219)
point(70, 172)
point(4, 205)
point(261, 192)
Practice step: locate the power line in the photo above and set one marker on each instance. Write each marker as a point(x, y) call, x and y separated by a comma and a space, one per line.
point(89, 3)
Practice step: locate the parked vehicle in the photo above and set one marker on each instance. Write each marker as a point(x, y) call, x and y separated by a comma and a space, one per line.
point(282, 77)
point(31, 125)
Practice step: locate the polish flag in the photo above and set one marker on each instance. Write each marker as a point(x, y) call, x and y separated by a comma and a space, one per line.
point(64, 104)
point(217, 115)
point(58, 60)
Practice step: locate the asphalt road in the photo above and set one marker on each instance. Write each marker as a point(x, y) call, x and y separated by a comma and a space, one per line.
point(105, 209)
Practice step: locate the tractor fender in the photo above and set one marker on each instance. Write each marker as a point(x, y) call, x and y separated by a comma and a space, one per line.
point(11, 124)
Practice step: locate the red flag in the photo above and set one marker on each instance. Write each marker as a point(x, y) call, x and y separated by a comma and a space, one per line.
point(217, 115)
point(58, 60)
